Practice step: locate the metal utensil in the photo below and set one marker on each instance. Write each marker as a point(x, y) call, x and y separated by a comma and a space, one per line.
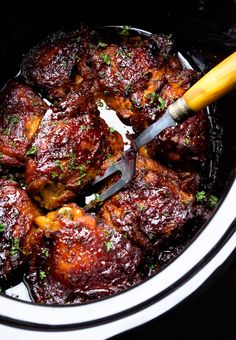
point(214, 85)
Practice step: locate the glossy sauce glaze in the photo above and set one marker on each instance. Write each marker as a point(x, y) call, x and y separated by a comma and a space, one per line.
point(75, 257)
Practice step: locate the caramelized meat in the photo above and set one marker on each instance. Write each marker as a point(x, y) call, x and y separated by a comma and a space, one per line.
point(74, 259)
point(51, 64)
point(125, 69)
point(154, 206)
point(69, 154)
point(184, 144)
point(21, 111)
point(16, 218)
point(59, 150)
point(165, 86)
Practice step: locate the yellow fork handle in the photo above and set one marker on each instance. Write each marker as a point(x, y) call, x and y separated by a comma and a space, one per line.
point(214, 85)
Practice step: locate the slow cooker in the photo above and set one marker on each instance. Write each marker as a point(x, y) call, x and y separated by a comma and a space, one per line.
point(205, 33)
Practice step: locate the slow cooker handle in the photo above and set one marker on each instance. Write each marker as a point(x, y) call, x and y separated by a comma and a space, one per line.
point(214, 85)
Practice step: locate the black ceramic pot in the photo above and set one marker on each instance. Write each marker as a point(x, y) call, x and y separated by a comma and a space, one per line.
point(206, 33)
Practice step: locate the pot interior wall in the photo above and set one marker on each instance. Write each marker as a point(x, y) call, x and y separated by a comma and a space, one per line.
point(205, 31)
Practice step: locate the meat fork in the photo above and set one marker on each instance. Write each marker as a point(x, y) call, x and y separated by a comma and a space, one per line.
point(215, 84)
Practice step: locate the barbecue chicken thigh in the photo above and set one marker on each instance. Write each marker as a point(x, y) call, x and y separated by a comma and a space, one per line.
point(75, 259)
point(16, 219)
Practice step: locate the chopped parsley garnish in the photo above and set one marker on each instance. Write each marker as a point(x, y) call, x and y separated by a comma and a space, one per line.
point(125, 31)
point(102, 44)
point(106, 59)
point(42, 275)
point(152, 267)
point(45, 252)
point(151, 236)
point(79, 179)
point(11, 178)
point(107, 232)
point(200, 196)
point(212, 202)
point(81, 169)
point(102, 75)
point(142, 207)
point(108, 245)
point(54, 175)
point(83, 127)
point(186, 140)
point(162, 102)
point(153, 96)
point(15, 246)
point(5, 131)
point(2, 227)
point(31, 151)
point(112, 129)
point(96, 197)
point(58, 163)
point(14, 120)
point(109, 155)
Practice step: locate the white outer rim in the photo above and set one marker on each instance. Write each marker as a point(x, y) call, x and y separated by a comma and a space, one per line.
point(195, 252)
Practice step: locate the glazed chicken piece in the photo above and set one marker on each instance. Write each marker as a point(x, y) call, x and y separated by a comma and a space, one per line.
point(139, 80)
point(21, 111)
point(73, 259)
point(16, 218)
point(124, 69)
point(183, 145)
point(52, 65)
point(153, 207)
point(68, 154)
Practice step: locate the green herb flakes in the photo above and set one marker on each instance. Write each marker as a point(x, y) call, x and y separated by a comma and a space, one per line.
point(108, 246)
point(14, 120)
point(42, 275)
point(162, 102)
point(106, 59)
point(212, 201)
point(15, 246)
point(31, 151)
point(125, 31)
point(2, 227)
point(200, 196)
point(96, 197)
point(45, 252)
point(58, 163)
point(54, 175)
point(102, 44)
point(186, 140)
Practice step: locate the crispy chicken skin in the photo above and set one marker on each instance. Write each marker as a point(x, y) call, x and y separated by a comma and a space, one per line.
point(16, 218)
point(69, 154)
point(75, 259)
point(21, 111)
point(154, 206)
